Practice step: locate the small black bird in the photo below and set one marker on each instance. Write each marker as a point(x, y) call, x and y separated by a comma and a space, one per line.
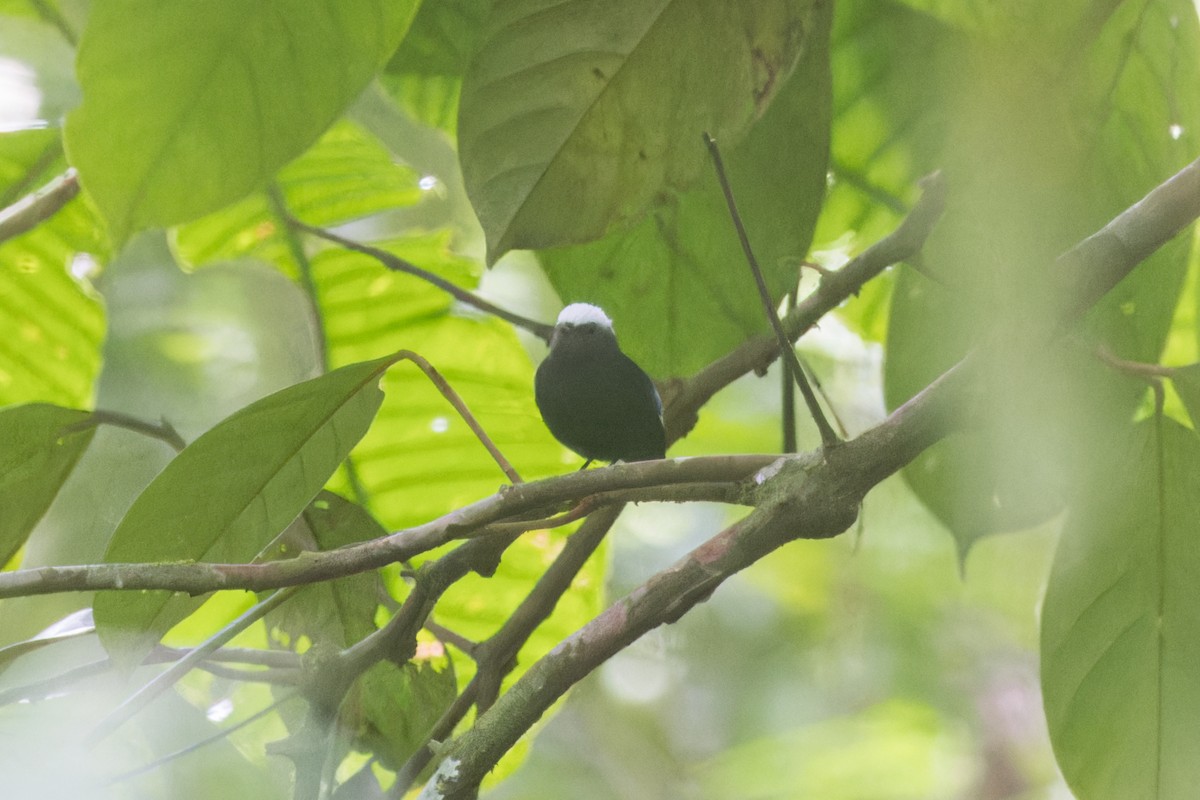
point(593, 398)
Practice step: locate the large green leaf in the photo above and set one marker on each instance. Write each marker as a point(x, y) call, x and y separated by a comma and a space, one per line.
point(1021, 192)
point(677, 283)
point(347, 174)
point(577, 115)
point(1120, 632)
point(51, 322)
point(188, 106)
point(233, 490)
point(425, 75)
point(37, 453)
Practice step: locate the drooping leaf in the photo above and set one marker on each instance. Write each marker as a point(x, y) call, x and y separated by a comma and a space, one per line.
point(38, 450)
point(1120, 633)
point(563, 128)
point(677, 283)
point(233, 490)
point(189, 106)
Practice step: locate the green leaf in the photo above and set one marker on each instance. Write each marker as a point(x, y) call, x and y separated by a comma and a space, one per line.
point(893, 751)
point(576, 115)
point(340, 611)
point(346, 175)
point(1120, 635)
point(1021, 193)
point(233, 490)
point(677, 283)
point(891, 68)
point(189, 106)
point(51, 320)
point(1187, 383)
point(400, 705)
point(425, 75)
point(37, 453)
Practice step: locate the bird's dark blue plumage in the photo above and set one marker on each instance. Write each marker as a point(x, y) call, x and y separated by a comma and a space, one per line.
point(593, 397)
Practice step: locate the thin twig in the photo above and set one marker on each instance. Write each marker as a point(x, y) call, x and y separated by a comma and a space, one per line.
point(162, 430)
point(283, 216)
point(448, 392)
point(191, 748)
point(397, 264)
point(34, 209)
point(829, 437)
point(168, 678)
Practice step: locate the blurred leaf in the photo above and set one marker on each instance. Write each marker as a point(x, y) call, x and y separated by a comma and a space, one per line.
point(232, 490)
point(894, 751)
point(425, 75)
point(79, 623)
point(400, 705)
point(37, 454)
point(341, 611)
point(49, 84)
point(1120, 636)
point(1022, 192)
point(201, 102)
point(677, 283)
point(1064, 23)
point(346, 175)
point(892, 69)
point(51, 324)
point(1187, 383)
point(563, 130)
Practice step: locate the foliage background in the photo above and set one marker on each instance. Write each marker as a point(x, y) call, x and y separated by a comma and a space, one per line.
point(894, 662)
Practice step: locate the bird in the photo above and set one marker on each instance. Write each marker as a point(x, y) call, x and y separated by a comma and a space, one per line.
point(593, 397)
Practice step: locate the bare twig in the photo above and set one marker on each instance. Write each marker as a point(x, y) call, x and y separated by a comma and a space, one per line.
point(397, 264)
point(448, 392)
point(829, 437)
point(168, 678)
point(194, 746)
point(162, 430)
point(756, 354)
point(34, 209)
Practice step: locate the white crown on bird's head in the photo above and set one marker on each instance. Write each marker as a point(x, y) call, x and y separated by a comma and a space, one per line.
point(584, 314)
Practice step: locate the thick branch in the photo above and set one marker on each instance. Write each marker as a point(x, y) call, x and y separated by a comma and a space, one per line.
point(816, 500)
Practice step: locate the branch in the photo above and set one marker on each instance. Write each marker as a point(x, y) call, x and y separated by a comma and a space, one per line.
point(814, 500)
point(34, 209)
point(648, 480)
point(455, 400)
point(828, 437)
point(397, 264)
point(755, 355)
